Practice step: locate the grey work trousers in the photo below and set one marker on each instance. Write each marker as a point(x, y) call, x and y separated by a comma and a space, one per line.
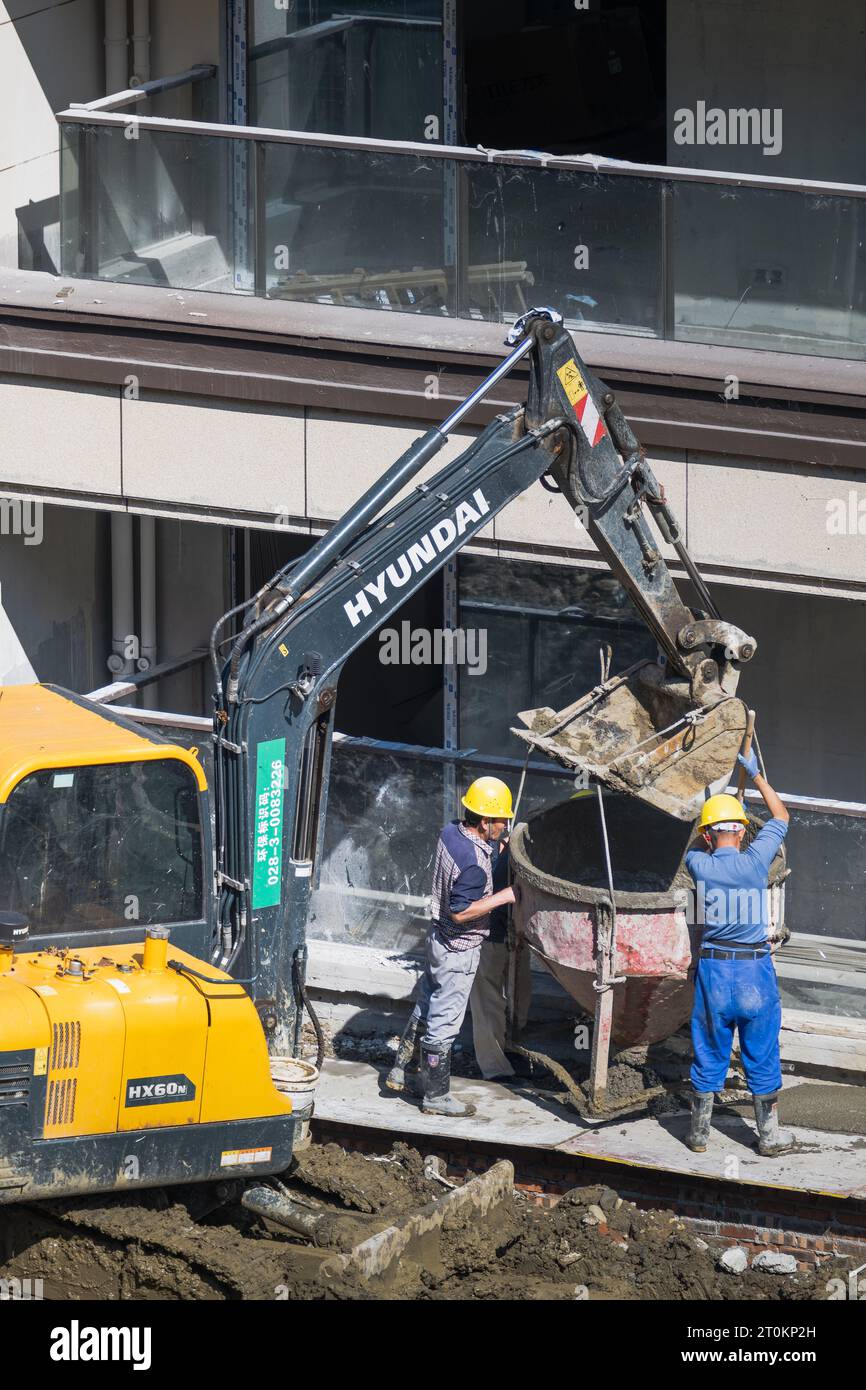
point(443, 993)
point(488, 1003)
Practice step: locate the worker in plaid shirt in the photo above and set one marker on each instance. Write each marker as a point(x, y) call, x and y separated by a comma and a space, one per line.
point(462, 901)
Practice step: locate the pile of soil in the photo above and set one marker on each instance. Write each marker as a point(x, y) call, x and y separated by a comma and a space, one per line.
point(200, 1243)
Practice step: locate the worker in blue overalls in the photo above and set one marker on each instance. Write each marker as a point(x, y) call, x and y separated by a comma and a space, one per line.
point(735, 984)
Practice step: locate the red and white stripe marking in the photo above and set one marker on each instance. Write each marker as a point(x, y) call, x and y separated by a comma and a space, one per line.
point(590, 421)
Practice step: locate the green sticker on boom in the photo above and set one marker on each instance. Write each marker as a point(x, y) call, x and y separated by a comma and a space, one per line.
point(268, 823)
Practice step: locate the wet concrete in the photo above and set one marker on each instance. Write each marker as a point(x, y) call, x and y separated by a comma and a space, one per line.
point(834, 1109)
point(816, 1105)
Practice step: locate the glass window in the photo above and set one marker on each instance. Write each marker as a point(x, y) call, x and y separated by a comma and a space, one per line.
point(758, 267)
point(826, 893)
point(90, 848)
point(384, 817)
point(591, 244)
point(156, 209)
point(361, 229)
point(369, 69)
point(544, 625)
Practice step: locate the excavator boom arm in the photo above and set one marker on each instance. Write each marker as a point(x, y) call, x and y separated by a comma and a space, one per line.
point(275, 710)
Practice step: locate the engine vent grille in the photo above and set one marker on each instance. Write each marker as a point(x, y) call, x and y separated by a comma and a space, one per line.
point(65, 1046)
point(60, 1107)
point(63, 1058)
point(15, 1081)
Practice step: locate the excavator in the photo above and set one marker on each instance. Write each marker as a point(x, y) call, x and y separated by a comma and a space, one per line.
point(152, 929)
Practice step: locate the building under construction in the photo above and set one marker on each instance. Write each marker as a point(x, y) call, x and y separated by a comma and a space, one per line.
point(258, 265)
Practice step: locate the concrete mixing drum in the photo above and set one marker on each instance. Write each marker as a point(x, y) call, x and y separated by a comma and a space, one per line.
point(559, 865)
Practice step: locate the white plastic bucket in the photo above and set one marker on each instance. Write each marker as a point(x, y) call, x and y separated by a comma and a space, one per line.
point(297, 1079)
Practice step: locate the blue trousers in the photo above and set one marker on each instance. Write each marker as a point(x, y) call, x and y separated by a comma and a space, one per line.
point(741, 995)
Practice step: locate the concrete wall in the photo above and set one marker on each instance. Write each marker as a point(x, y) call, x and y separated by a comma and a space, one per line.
point(183, 35)
point(806, 59)
point(192, 591)
point(51, 54)
point(273, 465)
point(54, 624)
point(55, 601)
point(807, 683)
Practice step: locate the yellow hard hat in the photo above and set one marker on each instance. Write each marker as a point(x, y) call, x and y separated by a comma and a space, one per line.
point(489, 797)
point(722, 808)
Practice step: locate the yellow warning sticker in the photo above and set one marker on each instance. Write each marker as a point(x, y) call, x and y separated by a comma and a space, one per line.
point(573, 383)
point(233, 1158)
point(40, 1061)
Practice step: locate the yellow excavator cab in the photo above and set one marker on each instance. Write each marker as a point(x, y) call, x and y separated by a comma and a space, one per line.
point(103, 826)
point(151, 1057)
point(43, 727)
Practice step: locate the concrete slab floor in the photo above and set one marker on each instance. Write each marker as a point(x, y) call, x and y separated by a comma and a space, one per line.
point(828, 1163)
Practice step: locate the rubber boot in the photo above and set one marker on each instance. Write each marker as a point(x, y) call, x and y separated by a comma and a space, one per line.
point(404, 1075)
point(436, 1083)
point(771, 1140)
point(702, 1113)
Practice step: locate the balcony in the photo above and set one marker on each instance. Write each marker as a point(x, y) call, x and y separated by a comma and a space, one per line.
point(153, 192)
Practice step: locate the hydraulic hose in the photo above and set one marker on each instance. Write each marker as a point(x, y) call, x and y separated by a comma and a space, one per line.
point(317, 1027)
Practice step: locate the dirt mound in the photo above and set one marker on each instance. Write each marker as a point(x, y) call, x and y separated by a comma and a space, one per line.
point(390, 1183)
point(201, 1243)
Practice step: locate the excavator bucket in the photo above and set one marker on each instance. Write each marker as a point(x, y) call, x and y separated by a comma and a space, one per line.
point(641, 734)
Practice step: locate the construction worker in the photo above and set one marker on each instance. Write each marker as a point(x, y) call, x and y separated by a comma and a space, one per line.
point(735, 984)
point(488, 1000)
point(462, 901)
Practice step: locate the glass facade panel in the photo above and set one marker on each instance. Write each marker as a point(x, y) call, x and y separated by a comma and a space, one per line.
point(589, 244)
point(545, 625)
point(716, 263)
point(761, 268)
point(826, 893)
point(353, 228)
point(154, 208)
point(384, 817)
point(369, 69)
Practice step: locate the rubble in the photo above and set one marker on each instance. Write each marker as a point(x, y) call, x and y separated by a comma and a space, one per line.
point(735, 1260)
point(775, 1262)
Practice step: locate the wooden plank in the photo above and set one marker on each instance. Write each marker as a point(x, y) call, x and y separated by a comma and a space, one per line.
point(827, 1025)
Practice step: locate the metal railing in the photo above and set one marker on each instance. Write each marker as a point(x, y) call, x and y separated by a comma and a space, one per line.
point(670, 252)
point(78, 111)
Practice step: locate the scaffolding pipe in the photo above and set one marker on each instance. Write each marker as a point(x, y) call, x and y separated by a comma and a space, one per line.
point(116, 46)
point(147, 605)
point(140, 42)
point(122, 594)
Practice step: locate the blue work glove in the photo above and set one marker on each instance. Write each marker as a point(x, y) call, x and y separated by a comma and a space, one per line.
point(750, 763)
